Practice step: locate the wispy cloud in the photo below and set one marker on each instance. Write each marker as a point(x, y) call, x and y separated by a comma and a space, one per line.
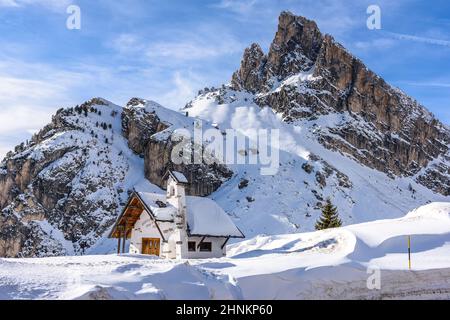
point(174, 47)
point(184, 88)
point(237, 6)
point(29, 94)
point(426, 40)
point(432, 83)
point(194, 48)
point(49, 4)
point(8, 3)
point(379, 43)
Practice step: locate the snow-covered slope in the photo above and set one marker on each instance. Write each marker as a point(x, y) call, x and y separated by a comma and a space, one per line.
point(345, 134)
point(322, 265)
point(67, 186)
point(308, 174)
point(62, 191)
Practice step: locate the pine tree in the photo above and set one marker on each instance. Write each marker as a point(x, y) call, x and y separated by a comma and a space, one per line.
point(329, 218)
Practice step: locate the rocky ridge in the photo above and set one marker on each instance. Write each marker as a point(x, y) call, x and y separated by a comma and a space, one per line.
point(307, 74)
point(62, 191)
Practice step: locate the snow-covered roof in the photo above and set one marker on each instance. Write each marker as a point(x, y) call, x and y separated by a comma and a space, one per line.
point(205, 217)
point(157, 203)
point(179, 177)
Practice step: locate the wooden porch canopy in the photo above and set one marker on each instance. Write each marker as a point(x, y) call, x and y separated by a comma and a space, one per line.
point(130, 215)
point(128, 218)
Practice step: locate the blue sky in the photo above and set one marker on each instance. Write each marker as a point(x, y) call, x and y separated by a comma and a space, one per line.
point(167, 50)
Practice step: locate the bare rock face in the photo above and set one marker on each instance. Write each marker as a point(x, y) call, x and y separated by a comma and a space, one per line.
point(408, 135)
point(149, 128)
point(250, 76)
point(60, 192)
point(295, 46)
point(203, 179)
point(307, 75)
point(138, 125)
point(436, 176)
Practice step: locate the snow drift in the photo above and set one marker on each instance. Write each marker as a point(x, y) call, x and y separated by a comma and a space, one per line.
point(329, 264)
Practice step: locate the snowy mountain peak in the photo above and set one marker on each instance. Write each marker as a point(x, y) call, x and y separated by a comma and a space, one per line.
point(62, 191)
point(345, 134)
point(307, 76)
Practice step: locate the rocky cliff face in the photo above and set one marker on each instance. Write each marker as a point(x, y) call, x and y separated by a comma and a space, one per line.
point(307, 74)
point(338, 121)
point(61, 192)
point(151, 137)
point(139, 125)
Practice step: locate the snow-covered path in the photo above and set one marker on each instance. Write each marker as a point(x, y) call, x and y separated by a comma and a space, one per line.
point(330, 264)
point(107, 277)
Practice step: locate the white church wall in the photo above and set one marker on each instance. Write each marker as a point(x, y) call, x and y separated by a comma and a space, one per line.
point(216, 250)
point(145, 228)
point(176, 245)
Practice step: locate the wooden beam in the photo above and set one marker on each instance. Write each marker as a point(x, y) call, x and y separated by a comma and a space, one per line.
point(225, 243)
point(159, 230)
point(135, 208)
point(124, 231)
point(201, 241)
point(118, 244)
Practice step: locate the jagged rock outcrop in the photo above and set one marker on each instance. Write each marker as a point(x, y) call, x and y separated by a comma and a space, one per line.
point(203, 179)
point(61, 191)
point(306, 75)
point(138, 125)
point(250, 76)
point(151, 137)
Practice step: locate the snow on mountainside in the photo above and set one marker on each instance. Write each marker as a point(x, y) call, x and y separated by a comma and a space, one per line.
point(307, 75)
point(329, 264)
point(308, 174)
point(61, 192)
point(345, 134)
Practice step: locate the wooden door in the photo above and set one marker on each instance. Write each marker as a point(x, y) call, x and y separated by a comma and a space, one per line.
point(150, 246)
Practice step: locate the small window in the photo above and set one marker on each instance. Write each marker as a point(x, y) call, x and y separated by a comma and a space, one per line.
point(206, 246)
point(172, 191)
point(191, 246)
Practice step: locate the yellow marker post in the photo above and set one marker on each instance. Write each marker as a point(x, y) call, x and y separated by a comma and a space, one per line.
point(409, 252)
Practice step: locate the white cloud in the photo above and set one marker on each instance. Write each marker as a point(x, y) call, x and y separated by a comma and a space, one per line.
point(237, 6)
point(29, 94)
point(426, 40)
point(379, 44)
point(431, 83)
point(193, 48)
point(184, 86)
point(49, 4)
point(127, 43)
point(179, 47)
point(8, 3)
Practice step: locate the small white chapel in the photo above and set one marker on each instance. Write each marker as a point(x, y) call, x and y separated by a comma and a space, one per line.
point(174, 225)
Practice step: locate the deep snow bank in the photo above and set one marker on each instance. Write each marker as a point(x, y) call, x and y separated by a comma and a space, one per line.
point(317, 265)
